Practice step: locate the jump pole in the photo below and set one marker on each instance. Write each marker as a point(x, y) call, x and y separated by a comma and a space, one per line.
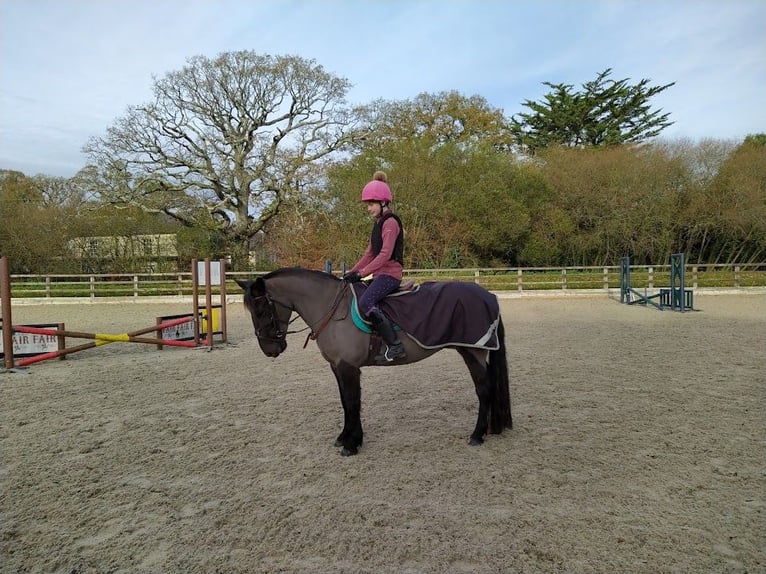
point(5, 303)
point(8, 330)
point(627, 293)
point(99, 339)
point(209, 305)
point(677, 297)
point(680, 300)
point(195, 301)
point(202, 271)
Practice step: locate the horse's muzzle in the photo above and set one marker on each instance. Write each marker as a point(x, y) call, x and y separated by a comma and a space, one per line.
point(273, 348)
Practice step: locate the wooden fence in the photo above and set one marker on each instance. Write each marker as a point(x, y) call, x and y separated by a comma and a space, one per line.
point(495, 279)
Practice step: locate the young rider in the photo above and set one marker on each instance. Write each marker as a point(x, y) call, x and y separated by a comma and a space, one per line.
point(383, 259)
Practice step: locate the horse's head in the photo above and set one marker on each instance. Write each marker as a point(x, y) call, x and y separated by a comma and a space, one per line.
point(270, 317)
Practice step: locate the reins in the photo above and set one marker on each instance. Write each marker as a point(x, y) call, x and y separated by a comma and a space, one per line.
point(328, 317)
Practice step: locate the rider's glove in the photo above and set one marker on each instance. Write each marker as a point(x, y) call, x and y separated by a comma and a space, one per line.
point(352, 277)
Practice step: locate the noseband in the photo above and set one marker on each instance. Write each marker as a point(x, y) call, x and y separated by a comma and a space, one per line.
point(273, 325)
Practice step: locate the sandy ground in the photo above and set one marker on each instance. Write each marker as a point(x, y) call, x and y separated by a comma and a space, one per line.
point(639, 446)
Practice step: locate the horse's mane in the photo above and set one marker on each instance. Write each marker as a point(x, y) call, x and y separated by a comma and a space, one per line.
point(298, 271)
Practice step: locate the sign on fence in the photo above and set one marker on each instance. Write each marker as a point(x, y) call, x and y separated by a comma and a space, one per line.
point(182, 332)
point(28, 344)
point(185, 331)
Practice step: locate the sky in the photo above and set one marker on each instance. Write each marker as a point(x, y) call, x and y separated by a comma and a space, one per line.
point(69, 69)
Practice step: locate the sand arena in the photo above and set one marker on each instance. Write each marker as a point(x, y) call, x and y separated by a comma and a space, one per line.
point(639, 445)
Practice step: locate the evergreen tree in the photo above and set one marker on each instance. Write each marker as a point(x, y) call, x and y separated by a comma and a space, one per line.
point(605, 112)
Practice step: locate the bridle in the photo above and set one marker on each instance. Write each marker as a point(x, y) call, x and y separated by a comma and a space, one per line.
point(280, 333)
point(274, 326)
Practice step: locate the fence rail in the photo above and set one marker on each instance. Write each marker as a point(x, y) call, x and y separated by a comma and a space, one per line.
point(96, 286)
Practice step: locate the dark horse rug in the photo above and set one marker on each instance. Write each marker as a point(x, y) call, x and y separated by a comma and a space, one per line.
point(439, 314)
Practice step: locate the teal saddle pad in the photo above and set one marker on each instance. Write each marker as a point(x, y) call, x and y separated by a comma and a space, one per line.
point(361, 323)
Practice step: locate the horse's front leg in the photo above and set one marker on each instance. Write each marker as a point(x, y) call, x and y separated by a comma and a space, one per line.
point(348, 377)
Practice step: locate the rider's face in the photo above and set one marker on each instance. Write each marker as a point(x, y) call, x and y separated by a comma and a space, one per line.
point(373, 208)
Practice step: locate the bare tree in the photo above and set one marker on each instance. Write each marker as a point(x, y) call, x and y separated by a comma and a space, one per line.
point(226, 142)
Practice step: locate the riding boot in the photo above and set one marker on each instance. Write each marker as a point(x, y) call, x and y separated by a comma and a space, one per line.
point(395, 349)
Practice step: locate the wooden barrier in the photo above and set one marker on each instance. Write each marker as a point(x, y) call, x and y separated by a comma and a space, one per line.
point(97, 338)
point(100, 339)
point(205, 273)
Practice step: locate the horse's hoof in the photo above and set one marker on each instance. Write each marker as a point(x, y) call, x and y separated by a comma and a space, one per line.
point(348, 451)
point(338, 443)
point(473, 441)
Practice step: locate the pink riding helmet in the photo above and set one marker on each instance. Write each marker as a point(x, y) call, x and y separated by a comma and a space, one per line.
point(377, 190)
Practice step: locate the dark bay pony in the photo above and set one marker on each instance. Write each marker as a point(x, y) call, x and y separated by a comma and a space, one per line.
point(324, 303)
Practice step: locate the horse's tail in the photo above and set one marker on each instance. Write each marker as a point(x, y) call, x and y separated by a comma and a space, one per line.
point(500, 410)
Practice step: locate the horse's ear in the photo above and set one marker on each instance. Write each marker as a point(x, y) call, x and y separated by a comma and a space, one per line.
point(255, 288)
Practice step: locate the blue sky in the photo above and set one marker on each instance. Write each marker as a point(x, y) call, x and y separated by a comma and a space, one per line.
point(70, 68)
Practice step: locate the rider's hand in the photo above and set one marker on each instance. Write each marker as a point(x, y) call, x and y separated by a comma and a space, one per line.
point(352, 277)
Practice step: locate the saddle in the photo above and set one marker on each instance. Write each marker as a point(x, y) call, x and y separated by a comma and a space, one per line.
point(363, 324)
point(438, 314)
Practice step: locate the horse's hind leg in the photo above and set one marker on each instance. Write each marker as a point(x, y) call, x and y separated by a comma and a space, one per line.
point(351, 437)
point(477, 366)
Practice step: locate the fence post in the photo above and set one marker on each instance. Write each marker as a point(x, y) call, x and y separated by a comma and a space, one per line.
point(694, 277)
point(135, 285)
point(606, 279)
point(519, 280)
point(650, 278)
point(476, 276)
point(564, 279)
point(92, 287)
point(737, 278)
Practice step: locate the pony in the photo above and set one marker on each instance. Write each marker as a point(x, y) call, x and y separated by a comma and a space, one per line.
point(324, 302)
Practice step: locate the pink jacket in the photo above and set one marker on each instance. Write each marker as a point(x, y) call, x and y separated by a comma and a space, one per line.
point(382, 264)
